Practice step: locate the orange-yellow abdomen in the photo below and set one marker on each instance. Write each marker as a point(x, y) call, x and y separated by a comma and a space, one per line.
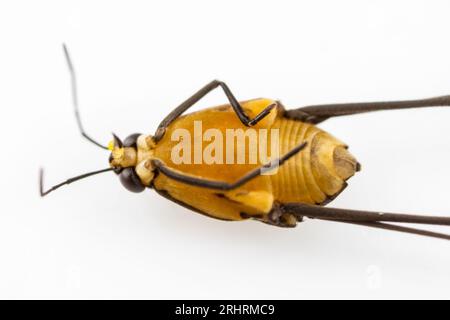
point(315, 174)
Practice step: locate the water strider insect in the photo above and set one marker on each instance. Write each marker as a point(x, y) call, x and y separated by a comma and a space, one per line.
point(313, 167)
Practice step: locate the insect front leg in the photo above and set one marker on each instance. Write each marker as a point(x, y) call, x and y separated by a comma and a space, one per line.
point(199, 95)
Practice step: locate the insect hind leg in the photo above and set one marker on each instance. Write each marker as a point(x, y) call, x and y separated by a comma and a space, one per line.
point(381, 220)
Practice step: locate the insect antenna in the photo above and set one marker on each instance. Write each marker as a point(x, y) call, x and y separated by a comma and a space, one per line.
point(75, 99)
point(68, 181)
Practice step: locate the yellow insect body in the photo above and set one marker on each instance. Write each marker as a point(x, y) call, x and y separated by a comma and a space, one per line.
point(313, 176)
point(187, 162)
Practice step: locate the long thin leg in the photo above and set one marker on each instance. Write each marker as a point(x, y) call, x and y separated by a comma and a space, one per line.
point(75, 99)
point(200, 94)
point(222, 185)
point(312, 211)
point(388, 226)
point(368, 218)
point(318, 113)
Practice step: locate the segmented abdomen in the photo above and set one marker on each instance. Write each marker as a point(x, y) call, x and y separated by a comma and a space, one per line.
point(318, 172)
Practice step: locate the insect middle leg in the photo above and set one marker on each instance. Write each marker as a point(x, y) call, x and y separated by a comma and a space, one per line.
point(199, 95)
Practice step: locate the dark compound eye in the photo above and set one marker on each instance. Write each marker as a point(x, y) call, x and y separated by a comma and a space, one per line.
point(130, 180)
point(131, 140)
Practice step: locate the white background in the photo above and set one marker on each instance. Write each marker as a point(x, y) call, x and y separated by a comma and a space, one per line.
point(138, 60)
